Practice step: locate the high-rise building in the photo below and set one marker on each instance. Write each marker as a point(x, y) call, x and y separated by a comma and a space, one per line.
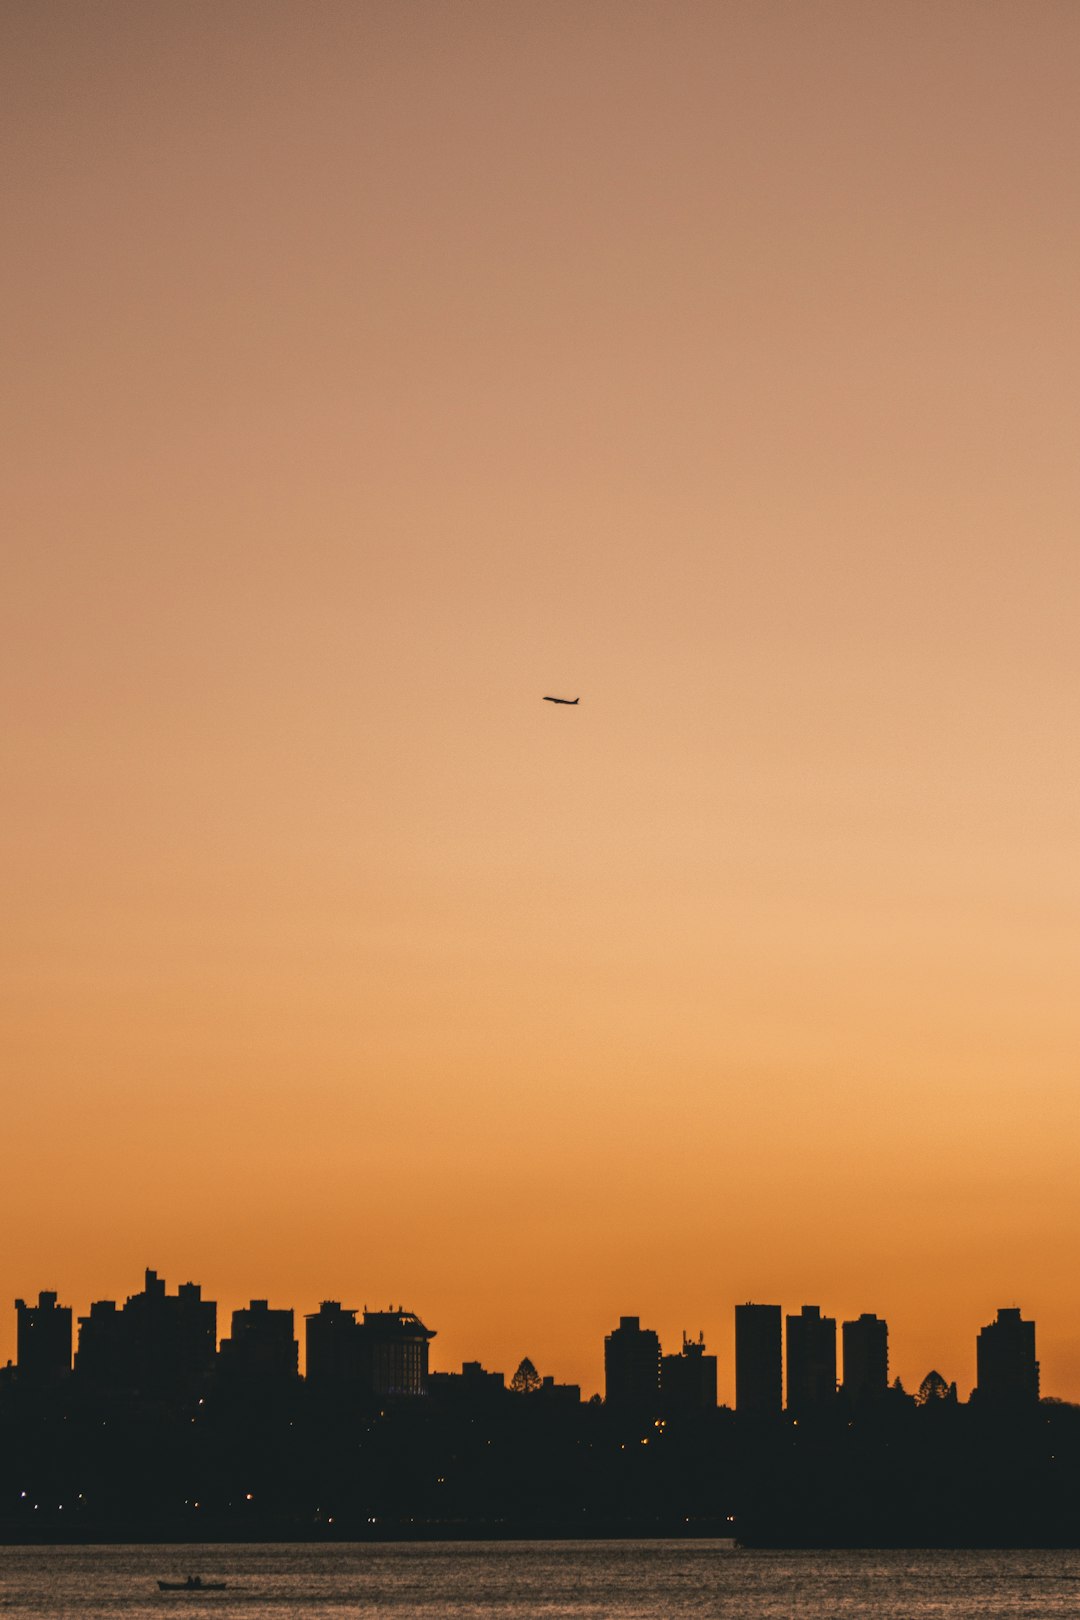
point(1007, 1371)
point(99, 1354)
point(157, 1345)
point(383, 1357)
point(262, 1348)
point(866, 1359)
point(632, 1366)
point(811, 1361)
point(43, 1344)
point(758, 1361)
point(394, 1353)
point(332, 1349)
point(688, 1380)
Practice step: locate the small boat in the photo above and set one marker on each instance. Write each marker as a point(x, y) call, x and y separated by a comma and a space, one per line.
point(194, 1583)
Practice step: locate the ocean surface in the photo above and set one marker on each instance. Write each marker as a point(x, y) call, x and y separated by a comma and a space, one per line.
point(612, 1580)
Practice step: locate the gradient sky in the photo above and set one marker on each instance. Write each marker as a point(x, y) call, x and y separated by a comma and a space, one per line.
point(373, 369)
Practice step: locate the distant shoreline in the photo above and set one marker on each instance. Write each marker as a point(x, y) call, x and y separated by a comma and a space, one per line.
point(387, 1534)
point(492, 1533)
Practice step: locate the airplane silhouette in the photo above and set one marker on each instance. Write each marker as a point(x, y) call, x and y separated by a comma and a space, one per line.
point(570, 701)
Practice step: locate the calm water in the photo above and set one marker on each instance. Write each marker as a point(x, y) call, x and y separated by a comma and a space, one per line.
point(642, 1580)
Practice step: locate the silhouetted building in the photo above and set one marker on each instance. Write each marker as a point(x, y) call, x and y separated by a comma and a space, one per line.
point(262, 1348)
point(688, 1380)
point(477, 1377)
point(866, 1359)
point(811, 1361)
point(473, 1387)
point(158, 1345)
point(394, 1353)
point(99, 1356)
point(1007, 1371)
point(758, 1361)
point(560, 1395)
point(332, 1349)
point(383, 1357)
point(43, 1340)
point(632, 1366)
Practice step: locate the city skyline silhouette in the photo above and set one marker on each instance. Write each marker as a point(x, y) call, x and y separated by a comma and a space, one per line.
point(157, 1431)
point(772, 1370)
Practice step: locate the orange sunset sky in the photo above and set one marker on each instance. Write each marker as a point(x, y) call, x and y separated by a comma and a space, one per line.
point(373, 369)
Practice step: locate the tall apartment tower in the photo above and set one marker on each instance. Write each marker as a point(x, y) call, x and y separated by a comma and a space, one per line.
point(157, 1344)
point(394, 1352)
point(99, 1358)
point(866, 1359)
point(758, 1381)
point(44, 1340)
point(381, 1358)
point(332, 1345)
point(811, 1361)
point(171, 1338)
point(632, 1366)
point(688, 1380)
point(1007, 1371)
point(262, 1349)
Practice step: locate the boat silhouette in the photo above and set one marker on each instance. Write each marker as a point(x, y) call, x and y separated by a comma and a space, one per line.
point(194, 1583)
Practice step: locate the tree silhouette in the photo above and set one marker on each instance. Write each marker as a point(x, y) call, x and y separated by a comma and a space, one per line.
point(934, 1388)
point(526, 1381)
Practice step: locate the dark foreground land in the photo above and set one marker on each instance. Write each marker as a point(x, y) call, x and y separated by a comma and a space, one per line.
point(256, 1467)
